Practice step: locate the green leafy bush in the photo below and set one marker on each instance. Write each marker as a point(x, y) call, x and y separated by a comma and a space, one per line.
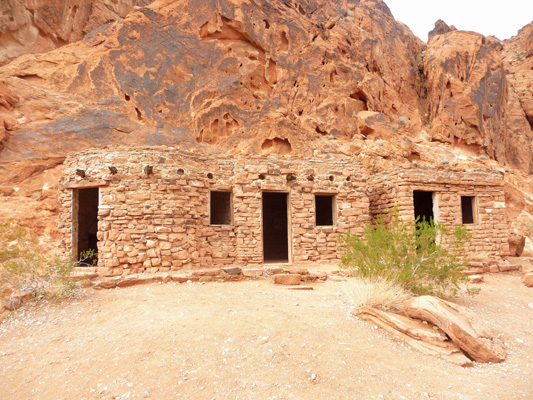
point(409, 253)
point(24, 268)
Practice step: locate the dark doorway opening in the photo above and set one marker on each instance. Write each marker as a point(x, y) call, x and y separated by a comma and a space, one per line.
point(275, 227)
point(86, 218)
point(423, 202)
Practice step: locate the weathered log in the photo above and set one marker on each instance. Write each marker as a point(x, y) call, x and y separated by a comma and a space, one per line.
point(420, 336)
point(461, 325)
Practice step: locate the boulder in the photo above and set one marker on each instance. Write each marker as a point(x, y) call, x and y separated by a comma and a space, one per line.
point(252, 272)
point(420, 336)
point(527, 279)
point(296, 270)
point(232, 270)
point(516, 244)
point(207, 272)
point(476, 278)
point(461, 325)
point(370, 122)
point(138, 280)
point(15, 301)
point(287, 279)
point(527, 267)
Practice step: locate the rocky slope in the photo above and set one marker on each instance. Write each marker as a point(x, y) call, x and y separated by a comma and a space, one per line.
point(328, 78)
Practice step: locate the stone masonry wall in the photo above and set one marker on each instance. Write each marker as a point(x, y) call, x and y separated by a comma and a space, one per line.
point(491, 230)
point(159, 221)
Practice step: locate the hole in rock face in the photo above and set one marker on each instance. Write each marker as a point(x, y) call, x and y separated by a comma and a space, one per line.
point(310, 178)
point(127, 97)
point(181, 172)
point(290, 177)
point(348, 179)
point(414, 157)
point(222, 31)
point(210, 175)
point(139, 114)
point(262, 177)
point(284, 45)
point(359, 95)
point(267, 25)
point(320, 131)
point(332, 75)
point(272, 72)
point(278, 145)
point(331, 178)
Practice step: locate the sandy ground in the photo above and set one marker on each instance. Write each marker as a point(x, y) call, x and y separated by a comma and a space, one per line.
point(247, 340)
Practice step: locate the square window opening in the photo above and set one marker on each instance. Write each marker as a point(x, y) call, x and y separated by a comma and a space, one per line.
point(220, 207)
point(469, 210)
point(324, 210)
point(424, 205)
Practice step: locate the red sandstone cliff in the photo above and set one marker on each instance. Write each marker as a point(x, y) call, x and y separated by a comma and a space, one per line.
point(332, 78)
point(37, 26)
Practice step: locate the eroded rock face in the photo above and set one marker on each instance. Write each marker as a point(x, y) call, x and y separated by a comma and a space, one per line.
point(29, 26)
point(440, 28)
point(8, 99)
point(268, 76)
point(518, 52)
point(471, 103)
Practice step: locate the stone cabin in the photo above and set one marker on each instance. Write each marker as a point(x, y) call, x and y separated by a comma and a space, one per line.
point(158, 209)
point(475, 199)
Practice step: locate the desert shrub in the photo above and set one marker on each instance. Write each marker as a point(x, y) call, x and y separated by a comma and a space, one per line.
point(376, 292)
point(403, 120)
point(24, 267)
point(529, 227)
point(409, 253)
